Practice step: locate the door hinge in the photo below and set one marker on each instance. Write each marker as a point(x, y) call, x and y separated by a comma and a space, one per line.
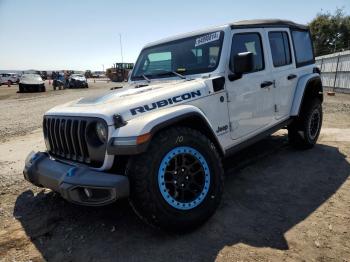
point(276, 109)
point(227, 97)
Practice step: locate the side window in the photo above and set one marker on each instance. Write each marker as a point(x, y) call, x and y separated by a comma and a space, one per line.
point(303, 47)
point(249, 42)
point(280, 48)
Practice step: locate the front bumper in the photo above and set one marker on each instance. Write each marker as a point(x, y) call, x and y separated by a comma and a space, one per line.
point(77, 184)
point(31, 87)
point(77, 83)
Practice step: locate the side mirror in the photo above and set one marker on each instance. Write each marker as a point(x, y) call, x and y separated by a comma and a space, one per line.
point(242, 63)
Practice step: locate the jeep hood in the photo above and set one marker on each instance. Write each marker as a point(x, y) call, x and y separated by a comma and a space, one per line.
point(122, 101)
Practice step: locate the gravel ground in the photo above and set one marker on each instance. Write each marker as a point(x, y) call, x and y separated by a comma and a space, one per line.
point(22, 113)
point(279, 204)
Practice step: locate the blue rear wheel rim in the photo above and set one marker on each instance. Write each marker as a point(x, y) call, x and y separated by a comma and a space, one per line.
point(184, 178)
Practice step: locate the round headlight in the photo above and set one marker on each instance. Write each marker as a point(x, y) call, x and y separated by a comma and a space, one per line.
point(101, 131)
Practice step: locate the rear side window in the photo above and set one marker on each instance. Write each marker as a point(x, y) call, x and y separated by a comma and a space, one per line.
point(303, 47)
point(249, 42)
point(280, 48)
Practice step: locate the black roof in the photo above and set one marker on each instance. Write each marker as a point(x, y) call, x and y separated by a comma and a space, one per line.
point(267, 23)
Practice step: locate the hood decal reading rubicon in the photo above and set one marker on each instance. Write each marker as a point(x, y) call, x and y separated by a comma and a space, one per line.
point(165, 102)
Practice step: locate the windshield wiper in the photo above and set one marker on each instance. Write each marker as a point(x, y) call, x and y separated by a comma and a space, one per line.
point(172, 72)
point(146, 78)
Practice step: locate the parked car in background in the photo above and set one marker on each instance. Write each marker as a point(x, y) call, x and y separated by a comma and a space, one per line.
point(88, 74)
point(58, 81)
point(98, 74)
point(31, 83)
point(77, 81)
point(9, 78)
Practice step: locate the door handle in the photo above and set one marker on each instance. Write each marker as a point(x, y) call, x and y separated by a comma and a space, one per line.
point(266, 84)
point(292, 76)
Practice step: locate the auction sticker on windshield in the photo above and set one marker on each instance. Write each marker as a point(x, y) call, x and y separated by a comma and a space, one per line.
point(207, 39)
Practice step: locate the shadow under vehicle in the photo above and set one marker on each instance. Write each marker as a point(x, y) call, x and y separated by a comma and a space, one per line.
point(270, 188)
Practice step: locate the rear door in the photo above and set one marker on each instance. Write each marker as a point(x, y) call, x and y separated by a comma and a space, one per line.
point(250, 101)
point(283, 70)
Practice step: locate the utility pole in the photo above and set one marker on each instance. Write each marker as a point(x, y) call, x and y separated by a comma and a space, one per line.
point(121, 47)
point(103, 68)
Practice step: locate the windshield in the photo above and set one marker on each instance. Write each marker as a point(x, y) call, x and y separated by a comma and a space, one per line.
point(77, 75)
point(192, 55)
point(31, 76)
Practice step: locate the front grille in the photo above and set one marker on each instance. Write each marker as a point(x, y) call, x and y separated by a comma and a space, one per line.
point(74, 139)
point(67, 138)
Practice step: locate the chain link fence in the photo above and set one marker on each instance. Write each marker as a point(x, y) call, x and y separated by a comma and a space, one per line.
point(335, 71)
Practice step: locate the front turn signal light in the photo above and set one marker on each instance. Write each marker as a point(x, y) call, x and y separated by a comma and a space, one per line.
point(143, 138)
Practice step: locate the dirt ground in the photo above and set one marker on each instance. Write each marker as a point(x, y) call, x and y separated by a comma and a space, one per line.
point(23, 112)
point(280, 204)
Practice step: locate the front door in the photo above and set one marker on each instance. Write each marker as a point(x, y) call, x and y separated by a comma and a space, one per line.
point(250, 100)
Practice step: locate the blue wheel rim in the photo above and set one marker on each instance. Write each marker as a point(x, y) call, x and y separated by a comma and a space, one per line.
point(171, 191)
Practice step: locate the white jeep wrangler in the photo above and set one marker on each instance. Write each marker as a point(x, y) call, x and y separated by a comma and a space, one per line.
point(191, 101)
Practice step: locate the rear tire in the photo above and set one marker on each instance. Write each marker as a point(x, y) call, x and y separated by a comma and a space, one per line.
point(176, 200)
point(305, 130)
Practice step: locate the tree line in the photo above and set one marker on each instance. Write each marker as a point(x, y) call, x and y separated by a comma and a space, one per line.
point(330, 32)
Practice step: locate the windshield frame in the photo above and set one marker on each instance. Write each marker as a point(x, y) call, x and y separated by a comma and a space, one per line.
point(135, 77)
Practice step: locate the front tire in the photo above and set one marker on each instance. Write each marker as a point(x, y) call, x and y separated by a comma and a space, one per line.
point(177, 184)
point(305, 130)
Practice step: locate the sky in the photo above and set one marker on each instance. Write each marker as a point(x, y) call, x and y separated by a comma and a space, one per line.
point(84, 34)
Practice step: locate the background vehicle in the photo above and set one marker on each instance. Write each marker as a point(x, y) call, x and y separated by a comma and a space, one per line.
point(120, 72)
point(77, 81)
point(98, 74)
point(58, 80)
point(31, 83)
point(88, 74)
point(11, 78)
point(192, 100)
